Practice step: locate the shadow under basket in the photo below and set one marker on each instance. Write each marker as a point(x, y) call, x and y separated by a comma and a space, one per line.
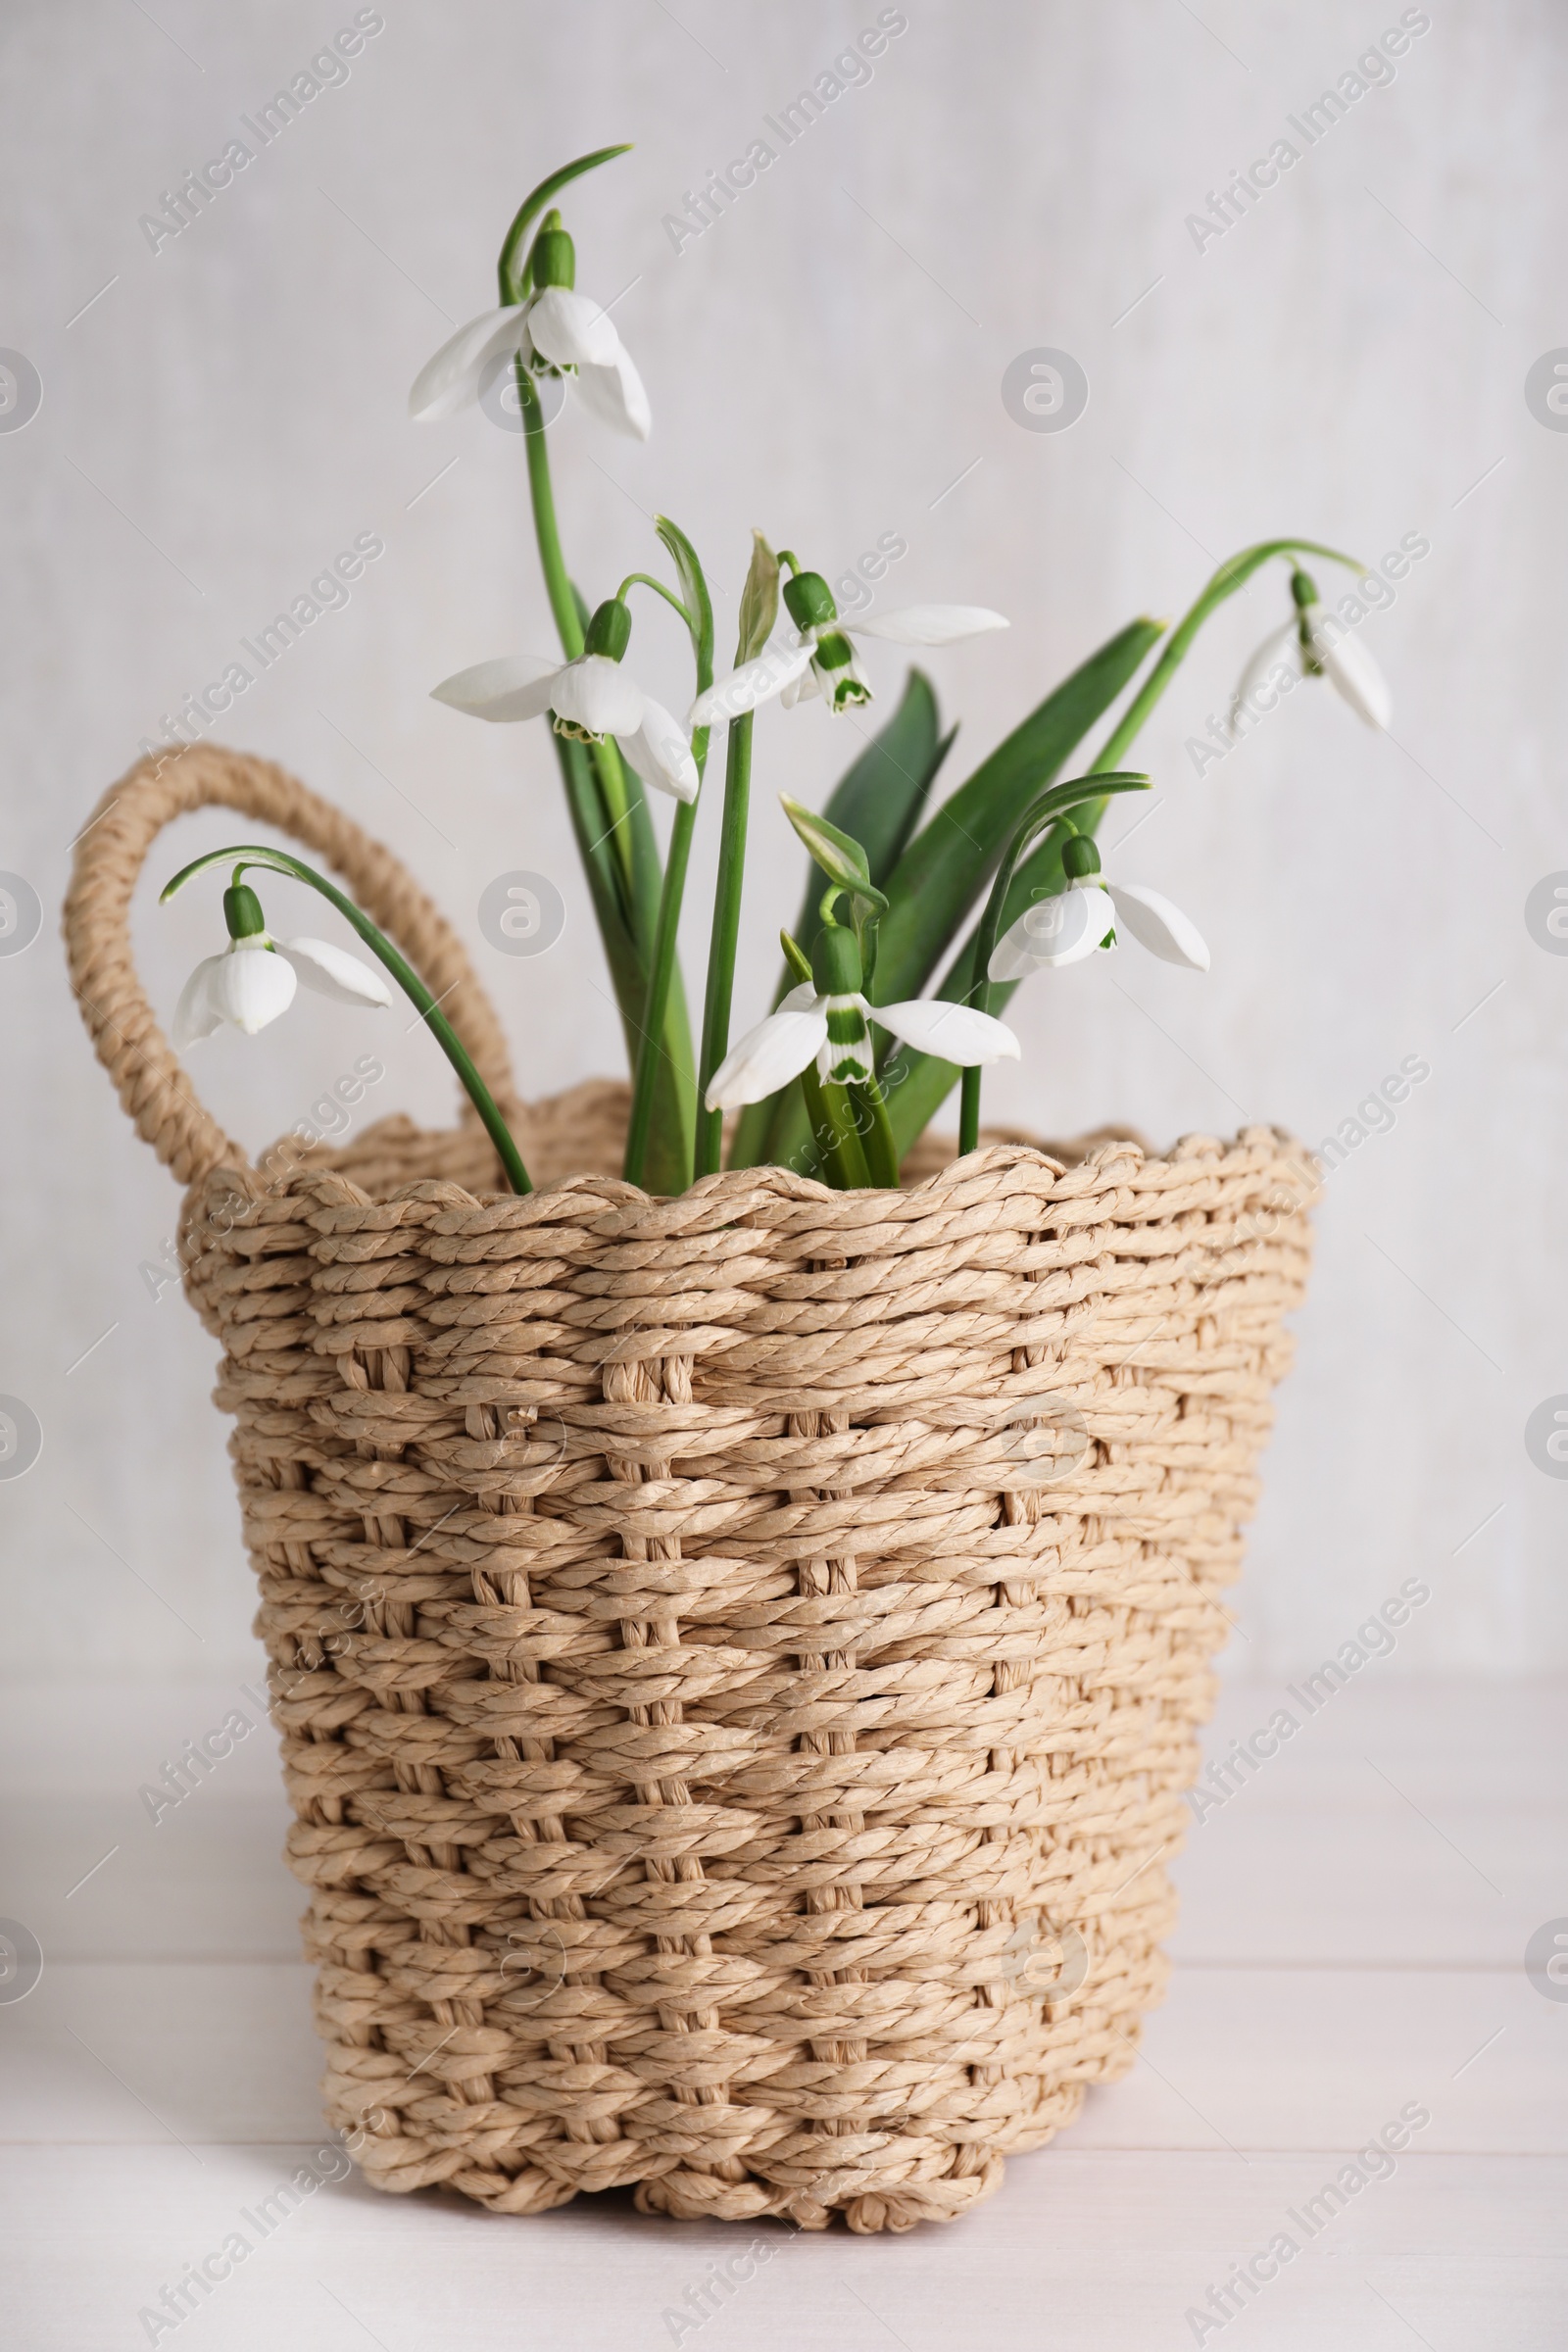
point(738, 1657)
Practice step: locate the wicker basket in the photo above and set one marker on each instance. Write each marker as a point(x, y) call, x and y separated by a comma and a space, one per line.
point(726, 1758)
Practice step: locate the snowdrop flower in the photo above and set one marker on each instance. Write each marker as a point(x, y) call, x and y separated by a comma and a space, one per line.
point(255, 978)
point(1084, 916)
point(826, 1019)
point(822, 659)
point(1322, 647)
point(556, 328)
point(590, 698)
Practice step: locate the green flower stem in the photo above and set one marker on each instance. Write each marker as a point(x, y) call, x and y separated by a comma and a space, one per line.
point(645, 579)
point(835, 1132)
point(1041, 811)
point(586, 809)
point(279, 861)
point(724, 937)
point(615, 824)
point(876, 1134)
point(659, 1014)
point(969, 1113)
point(615, 785)
point(514, 267)
point(818, 1156)
point(607, 805)
point(649, 1045)
point(547, 531)
point(675, 1080)
point(665, 933)
point(670, 1155)
point(606, 764)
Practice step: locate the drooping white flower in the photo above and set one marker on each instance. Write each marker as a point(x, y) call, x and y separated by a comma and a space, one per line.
point(821, 660)
point(591, 698)
point(247, 986)
point(1088, 914)
point(255, 977)
point(254, 980)
point(834, 1031)
point(1349, 667)
point(1317, 643)
point(555, 328)
point(1059, 930)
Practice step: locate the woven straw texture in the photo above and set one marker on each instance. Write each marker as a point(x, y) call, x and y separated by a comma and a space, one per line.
point(736, 1730)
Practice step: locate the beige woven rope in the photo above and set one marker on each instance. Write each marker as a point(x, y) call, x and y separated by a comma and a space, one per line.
point(722, 1761)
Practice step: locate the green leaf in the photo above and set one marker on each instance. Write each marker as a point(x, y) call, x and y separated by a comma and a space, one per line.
point(512, 267)
point(694, 596)
point(948, 864)
point(758, 601)
point(839, 855)
point(799, 963)
point(879, 797)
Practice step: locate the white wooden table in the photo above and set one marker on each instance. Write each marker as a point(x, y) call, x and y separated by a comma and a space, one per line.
point(1352, 1943)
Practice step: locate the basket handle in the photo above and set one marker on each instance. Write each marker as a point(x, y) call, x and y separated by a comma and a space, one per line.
point(150, 1081)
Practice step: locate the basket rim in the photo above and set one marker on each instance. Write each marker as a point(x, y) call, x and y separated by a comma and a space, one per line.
point(726, 1195)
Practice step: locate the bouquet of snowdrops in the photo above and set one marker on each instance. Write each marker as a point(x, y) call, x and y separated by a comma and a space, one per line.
point(842, 1074)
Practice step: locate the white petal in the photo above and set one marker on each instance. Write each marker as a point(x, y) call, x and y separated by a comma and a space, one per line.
point(571, 331)
point(251, 987)
point(1157, 925)
point(1350, 669)
point(333, 972)
point(799, 997)
point(928, 624)
point(754, 683)
point(803, 688)
point(768, 1057)
point(515, 686)
point(851, 1064)
point(843, 688)
point(194, 1014)
point(451, 380)
point(1054, 931)
point(847, 1060)
point(1261, 663)
point(953, 1032)
point(615, 396)
point(660, 753)
point(596, 693)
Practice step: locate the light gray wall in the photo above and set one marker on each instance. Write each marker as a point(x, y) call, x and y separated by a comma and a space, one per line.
point(1348, 360)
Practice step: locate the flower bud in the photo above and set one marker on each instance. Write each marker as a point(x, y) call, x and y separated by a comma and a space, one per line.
point(836, 963)
point(242, 911)
point(809, 601)
point(610, 630)
point(1079, 857)
point(554, 260)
